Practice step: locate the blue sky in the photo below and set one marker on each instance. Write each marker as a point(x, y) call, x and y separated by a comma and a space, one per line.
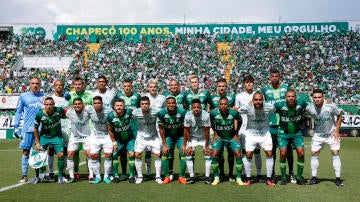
point(170, 11)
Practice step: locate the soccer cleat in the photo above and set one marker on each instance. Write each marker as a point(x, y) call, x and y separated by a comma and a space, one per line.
point(239, 182)
point(222, 176)
point(77, 176)
point(273, 178)
point(216, 182)
point(338, 182)
point(132, 180)
point(116, 180)
point(91, 180)
point(231, 178)
point(247, 182)
point(96, 180)
point(300, 181)
point(61, 180)
point(207, 181)
point(191, 181)
point(139, 180)
point(283, 182)
point(23, 179)
point(107, 180)
point(123, 177)
point(158, 180)
point(71, 180)
point(270, 183)
point(167, 180)
point(293, 179)
point(51, 177)
point(259, 179)
point(35, 180)
point(313, 181)
point(182, 180)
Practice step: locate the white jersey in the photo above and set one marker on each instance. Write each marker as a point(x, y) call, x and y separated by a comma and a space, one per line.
point(197, 124)
point(107, 97)
point(257, 120)
point(325, 122)
point(146, 124)
point(242, 99)
point(80, 128)
point(98, 122)
point(157, 101)
point(65, 124)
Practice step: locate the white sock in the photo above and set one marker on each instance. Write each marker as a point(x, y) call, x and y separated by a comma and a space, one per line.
point(138, 166)
point(244, 164)
point(107, 167)
point(337, 165)
point(258, 163)
point(207, 166)
point(65, 164)
point(314, 163)
point(91, 173)
point(70, 167)
point(157, 162)
point(269, 166)
point(95, 167)
point(51, 164)
point(190, 166)
point(248, 166)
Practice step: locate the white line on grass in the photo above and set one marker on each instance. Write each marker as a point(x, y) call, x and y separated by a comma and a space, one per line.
point(20, 184)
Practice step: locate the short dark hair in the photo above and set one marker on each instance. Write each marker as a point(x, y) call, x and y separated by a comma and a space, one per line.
point(144, 98)
point(318, 90)
point(97, 98)
point(274, 71)
point(248, 78)
point(194, 101)
point(127, 80)
point(49, 98)
point(224, 98)
point(78, 79)
point(221, 80)
point(102, 77)
point(78, 99)
point(170, 98)
point(117, 100)
point(291, 91)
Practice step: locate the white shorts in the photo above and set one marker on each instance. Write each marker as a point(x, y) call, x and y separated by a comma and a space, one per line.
point(96, 144)
point(197, 142)
point(149, 144)
point(74, 144)
point(317, 143)
point(253, 141)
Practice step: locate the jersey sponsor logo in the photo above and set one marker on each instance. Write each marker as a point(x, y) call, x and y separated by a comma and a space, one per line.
point(37, 104)
point(54, 125)
point(227, 128)
point(292, 119)
point(173, 126)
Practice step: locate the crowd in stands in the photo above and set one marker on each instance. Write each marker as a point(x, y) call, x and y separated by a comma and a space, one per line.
point(329, 61)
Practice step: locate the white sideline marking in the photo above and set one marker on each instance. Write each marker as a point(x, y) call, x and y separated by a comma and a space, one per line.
point(20, 184)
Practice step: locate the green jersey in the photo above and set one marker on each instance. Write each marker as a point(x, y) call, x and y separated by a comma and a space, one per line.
point(274, 95)
point(214, 100)
point(173, 124)
point(180, 98)
point(224, 125)
point(290, 117)
point(202, 95)
point(50, 124)
point(131, 102)
point(121, 125)
point(86, 97)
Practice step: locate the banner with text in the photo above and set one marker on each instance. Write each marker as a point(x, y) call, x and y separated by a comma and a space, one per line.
point(351, 121)
point(8, 102)
point(135, 31)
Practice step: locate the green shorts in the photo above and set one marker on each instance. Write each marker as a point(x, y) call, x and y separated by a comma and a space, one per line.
point(172, 141)
point(56, 141)
point(218, 144)
point(128, 145)
point(296, 139)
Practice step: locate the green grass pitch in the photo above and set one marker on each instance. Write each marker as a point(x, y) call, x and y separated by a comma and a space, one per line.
point(10, 171)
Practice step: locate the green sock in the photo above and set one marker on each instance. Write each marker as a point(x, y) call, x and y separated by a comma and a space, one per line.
point(283, 168)
point(300, 168)
point(165, 165)
point(131, 165)
point(77, 161)
point(215, 167)
point(239, 167)
point(115, 165)
point(61, 164)
point(182, 165)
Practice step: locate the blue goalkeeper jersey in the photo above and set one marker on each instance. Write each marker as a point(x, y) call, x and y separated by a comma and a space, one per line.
point(29, 104)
